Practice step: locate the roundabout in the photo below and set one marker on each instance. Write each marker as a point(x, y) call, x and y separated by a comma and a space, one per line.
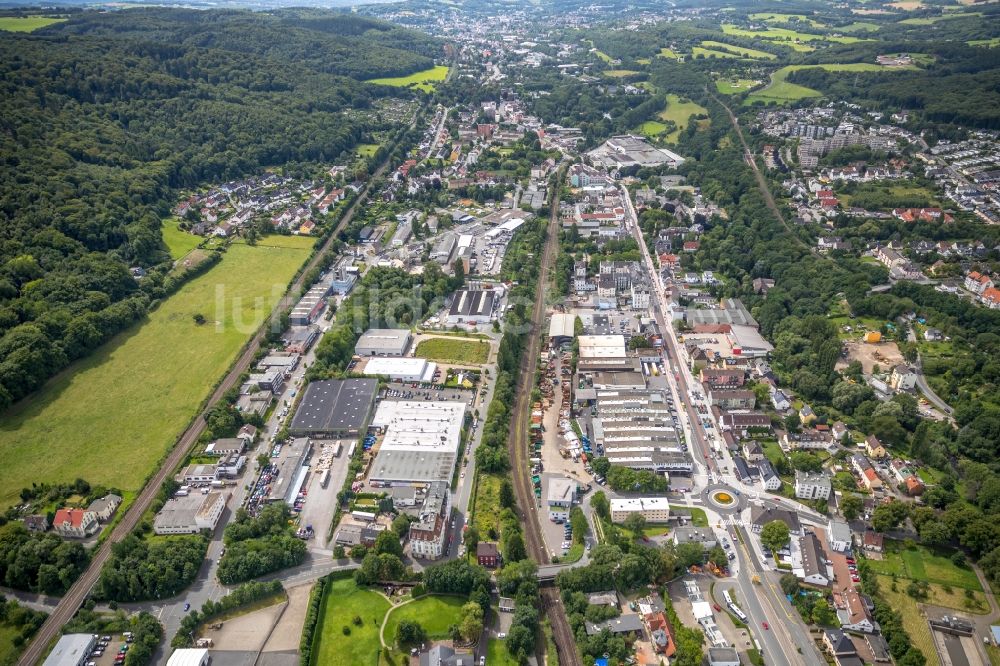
point(723, 499)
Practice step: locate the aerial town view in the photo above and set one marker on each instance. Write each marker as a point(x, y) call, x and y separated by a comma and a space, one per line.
point(486, 332)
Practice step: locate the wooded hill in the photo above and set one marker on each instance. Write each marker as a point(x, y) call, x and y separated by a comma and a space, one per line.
point(106, 116)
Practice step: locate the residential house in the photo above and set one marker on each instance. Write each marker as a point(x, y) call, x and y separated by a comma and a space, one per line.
point(780, 400)
point(838, 644)
point(857, 615)
point(807, 439)
point(815, 570)
point(760, 516)
point(753, 452)
point(869, 477)
point(768, 476)
point(742, 422)
point(872, 542)
point(442, 655)
point(716, 378)
point(702, 535)
point(914, 486)
point(902, 378)
point(874, 448)
point(806, 415)
point(977, 283)
point(75, 523)
point(732, 398)
point(105, 507)
point(812, 486)
point(991, 298)
point(839, 431)
point(839, 536)
point(36, 523)
point(487, 554)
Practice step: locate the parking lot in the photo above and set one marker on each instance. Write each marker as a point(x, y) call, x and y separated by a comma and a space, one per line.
point(110, 650)
point(321, 499)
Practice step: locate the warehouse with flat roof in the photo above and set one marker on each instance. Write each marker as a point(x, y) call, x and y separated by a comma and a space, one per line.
point(472, 306)
point(562, 327)
point(402, 369)
point(335, 408)
point(383, 342)
point(420, 441)
point(71, 650)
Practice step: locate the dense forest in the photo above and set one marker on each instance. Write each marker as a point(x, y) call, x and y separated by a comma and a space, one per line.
point(107, 115)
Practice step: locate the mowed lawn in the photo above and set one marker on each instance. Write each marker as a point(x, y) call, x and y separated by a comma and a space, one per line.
point(454, 350)
point(434, 613)
point(111, 417)
point(178, 241)
point(498, 655)
point(734, 87)
point(921, 563)
point(652, 128)
point(913, 620)
point(423, 80)
point(342, 602)
point(26, 23)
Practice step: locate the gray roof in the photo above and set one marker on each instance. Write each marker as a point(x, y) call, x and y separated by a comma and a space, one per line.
point(761, 516)
point(467, 303)
point(335, 405)
point(411, 466)
point(442, 655)
point(70, 650)
point(623, 624)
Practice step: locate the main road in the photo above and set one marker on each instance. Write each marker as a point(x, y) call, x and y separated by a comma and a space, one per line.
point(78, 592)
point(786, 636)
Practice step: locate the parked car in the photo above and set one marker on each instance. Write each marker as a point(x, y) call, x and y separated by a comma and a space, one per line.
point(765, 625)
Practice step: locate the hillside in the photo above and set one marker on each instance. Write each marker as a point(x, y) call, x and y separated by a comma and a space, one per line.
point(107, 115)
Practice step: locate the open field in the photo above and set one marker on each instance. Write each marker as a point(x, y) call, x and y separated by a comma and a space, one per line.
point(652, 128)
point(620, 73)
point(178, 241)
point(460, 352)
point(366, 149)
point(780, 90)
point(111, 416)
point(773, 17)
point(931, 20)
point(497, 654)
point(989, 43)
point(708, 53)
point(485, 504)
point(907, 5)
point(913, 620)
point(785, 34)
point(26, 23)
point(922, 563)
point(343, 602)
point(669, 53)
point(423, 80)
point(679, 112)
point(859, 26)
point(739, 50)
point(434, 613)
point(734, 87)
point(8, 653)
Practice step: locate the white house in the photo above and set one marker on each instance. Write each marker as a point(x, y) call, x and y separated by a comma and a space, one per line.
point(812, 486)
point(560, 498)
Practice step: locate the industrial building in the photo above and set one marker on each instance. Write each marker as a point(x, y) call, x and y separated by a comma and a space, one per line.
point(653, 509)
point(189, 657)
point(71, 650)
point(560, 498)
point(292, 470)
point(635, 428)
point(335, 408)
point(402, 369)
point(384, 342)
point(473, 306)
point(419, 443)
point(190, 513)
point(309, 307)
point(562, 328)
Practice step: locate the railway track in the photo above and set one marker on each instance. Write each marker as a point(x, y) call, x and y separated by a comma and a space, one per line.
point(519, 444)
point(77, 594)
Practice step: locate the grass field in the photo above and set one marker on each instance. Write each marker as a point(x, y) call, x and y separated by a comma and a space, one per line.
point(652, 128)
point(178, 241)
point(786, 34)
point(26, 23)
point(342, 602)
point(859, 26)
point(643, 61)
point(669, 53)
point(708, 53)
point(930, 20)
point(111, 416)
point(739, 50)
point(620, 73)
point(679, 112)
point(734, 87)
point(921, 563)
point(8, 653)
point(780, 90)
point(988, 43)
point(423, 80)
point(602, 55)
point(460, 352)
point(434, 613)
point(497, 654)
point(773, 17)
point(366, 149)
point(913, 621)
